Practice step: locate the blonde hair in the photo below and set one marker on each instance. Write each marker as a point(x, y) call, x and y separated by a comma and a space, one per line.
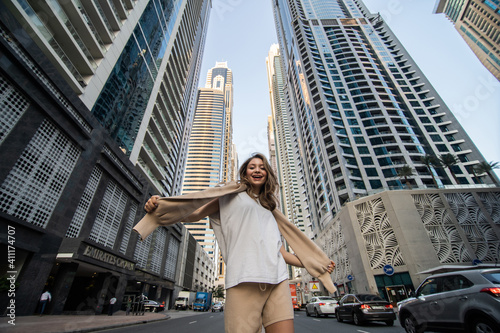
point(267, 197)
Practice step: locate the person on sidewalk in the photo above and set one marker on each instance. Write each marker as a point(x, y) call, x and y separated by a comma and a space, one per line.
point(129, 306)
point(248, 228)
point(44, 299)
point(111, 307)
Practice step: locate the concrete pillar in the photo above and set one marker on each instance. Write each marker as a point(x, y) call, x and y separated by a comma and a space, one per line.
point(62, 286)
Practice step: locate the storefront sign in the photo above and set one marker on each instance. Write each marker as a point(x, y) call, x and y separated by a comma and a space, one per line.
point(108, 258)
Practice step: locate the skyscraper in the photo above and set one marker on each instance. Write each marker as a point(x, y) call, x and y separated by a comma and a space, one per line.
point(369, 129)
point(221, 77)
point(99, 101)
point(208, 159)
point(283, 137)
point(363, 108)
point(478, 24)
point(134, 64)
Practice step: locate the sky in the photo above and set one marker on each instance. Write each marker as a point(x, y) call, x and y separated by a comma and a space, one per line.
point(241, 32)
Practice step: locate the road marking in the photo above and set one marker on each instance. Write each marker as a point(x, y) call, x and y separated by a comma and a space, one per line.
point(193, 322)
point(363, 331)
point(317, 319)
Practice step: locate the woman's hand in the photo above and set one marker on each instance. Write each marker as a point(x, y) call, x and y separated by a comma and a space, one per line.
point(330, 267)
point(151, 204)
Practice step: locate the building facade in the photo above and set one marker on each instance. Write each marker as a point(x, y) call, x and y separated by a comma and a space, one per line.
point(478, 22)
point(283, 137)
point(209, 160)
point(134, 64)
point(78, 99)
point(367, 121)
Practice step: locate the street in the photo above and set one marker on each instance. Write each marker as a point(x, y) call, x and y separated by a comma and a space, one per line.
point(213, 322)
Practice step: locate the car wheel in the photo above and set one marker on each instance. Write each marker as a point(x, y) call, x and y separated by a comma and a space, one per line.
point(316, 314)
point(307, 313)
point(389, 322)
point(338, 318)
point(410, 325)
point(483, 325)
point(355, 318)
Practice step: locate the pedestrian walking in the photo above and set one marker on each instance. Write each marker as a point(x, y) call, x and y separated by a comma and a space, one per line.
point(44, 299)
point(111, 306)
point(248, 227)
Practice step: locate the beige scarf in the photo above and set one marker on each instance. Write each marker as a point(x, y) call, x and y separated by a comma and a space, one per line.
point(172, 210)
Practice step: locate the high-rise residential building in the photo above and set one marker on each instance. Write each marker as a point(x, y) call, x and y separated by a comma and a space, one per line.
point(99, 101)
point(134, 64)
point(369, 125)
point(284, 154)
point(204, 160)
point(478, 22)
point(221, 77)
point(207, 158)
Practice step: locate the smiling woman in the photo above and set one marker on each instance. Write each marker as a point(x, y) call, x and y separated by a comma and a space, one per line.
point(257, 174)
point(247, 227)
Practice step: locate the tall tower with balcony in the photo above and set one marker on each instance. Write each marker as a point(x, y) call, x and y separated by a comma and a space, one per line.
point(478, 24)
point(363, 110)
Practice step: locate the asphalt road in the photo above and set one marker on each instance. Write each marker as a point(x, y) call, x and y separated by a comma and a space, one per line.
point(213, 322)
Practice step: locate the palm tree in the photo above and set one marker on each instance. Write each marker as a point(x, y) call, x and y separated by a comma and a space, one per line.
point(448, 161)
point(404, 172)
point(485, 167)
point(431, 161)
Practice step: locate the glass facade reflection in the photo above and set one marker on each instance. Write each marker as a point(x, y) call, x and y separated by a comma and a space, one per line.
point(362, 109)
point(123, 100)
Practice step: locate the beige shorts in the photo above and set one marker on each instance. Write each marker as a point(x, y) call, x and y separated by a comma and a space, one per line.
point(251, 305)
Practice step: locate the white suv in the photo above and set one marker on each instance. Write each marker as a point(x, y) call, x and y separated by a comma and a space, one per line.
point(466, 301)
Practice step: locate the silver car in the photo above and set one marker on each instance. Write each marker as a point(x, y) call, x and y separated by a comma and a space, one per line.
point(321, 306)
point(466, 301)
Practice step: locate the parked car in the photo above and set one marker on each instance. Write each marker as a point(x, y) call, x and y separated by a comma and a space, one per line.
point(218, 307)
point(467, 301)
point(321, 306)
point(361, 308)
point(153, 306)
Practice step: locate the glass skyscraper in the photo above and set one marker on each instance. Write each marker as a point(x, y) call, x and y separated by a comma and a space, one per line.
point(135, 65)
point(369, 130)
point(285, 160)
point(362, 108)
point(98, 101)
point(478, 24)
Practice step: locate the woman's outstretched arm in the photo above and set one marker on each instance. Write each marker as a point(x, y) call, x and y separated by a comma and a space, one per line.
point(209, 209)
point(292, 259)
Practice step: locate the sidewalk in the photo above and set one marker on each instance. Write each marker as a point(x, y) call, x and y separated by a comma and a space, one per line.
point(74, 323)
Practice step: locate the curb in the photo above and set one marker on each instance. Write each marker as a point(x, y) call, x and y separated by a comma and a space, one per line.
point(107, 327)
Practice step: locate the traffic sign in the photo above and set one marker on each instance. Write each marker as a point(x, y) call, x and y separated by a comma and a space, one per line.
point(388, 270)
point(314, 285)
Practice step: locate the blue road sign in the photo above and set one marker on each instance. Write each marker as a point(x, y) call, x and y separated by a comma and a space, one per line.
point(388, 270)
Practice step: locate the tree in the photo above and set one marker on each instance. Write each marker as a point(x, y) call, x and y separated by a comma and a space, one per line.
point(485, 167)
point(431, 161)
point(218, 291)
point(404, 172)
point(449, 161)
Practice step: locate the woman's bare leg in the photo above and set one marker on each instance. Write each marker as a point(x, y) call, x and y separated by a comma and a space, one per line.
point(284, 326)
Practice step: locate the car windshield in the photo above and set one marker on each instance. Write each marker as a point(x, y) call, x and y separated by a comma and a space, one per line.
point(368, 298)
point(494, 277)
point(325, 299)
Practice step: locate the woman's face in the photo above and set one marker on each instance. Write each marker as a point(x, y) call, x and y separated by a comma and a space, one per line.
point(256, 174)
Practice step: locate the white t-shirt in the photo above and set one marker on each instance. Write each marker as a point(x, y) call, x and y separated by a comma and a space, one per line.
point(249, 240)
